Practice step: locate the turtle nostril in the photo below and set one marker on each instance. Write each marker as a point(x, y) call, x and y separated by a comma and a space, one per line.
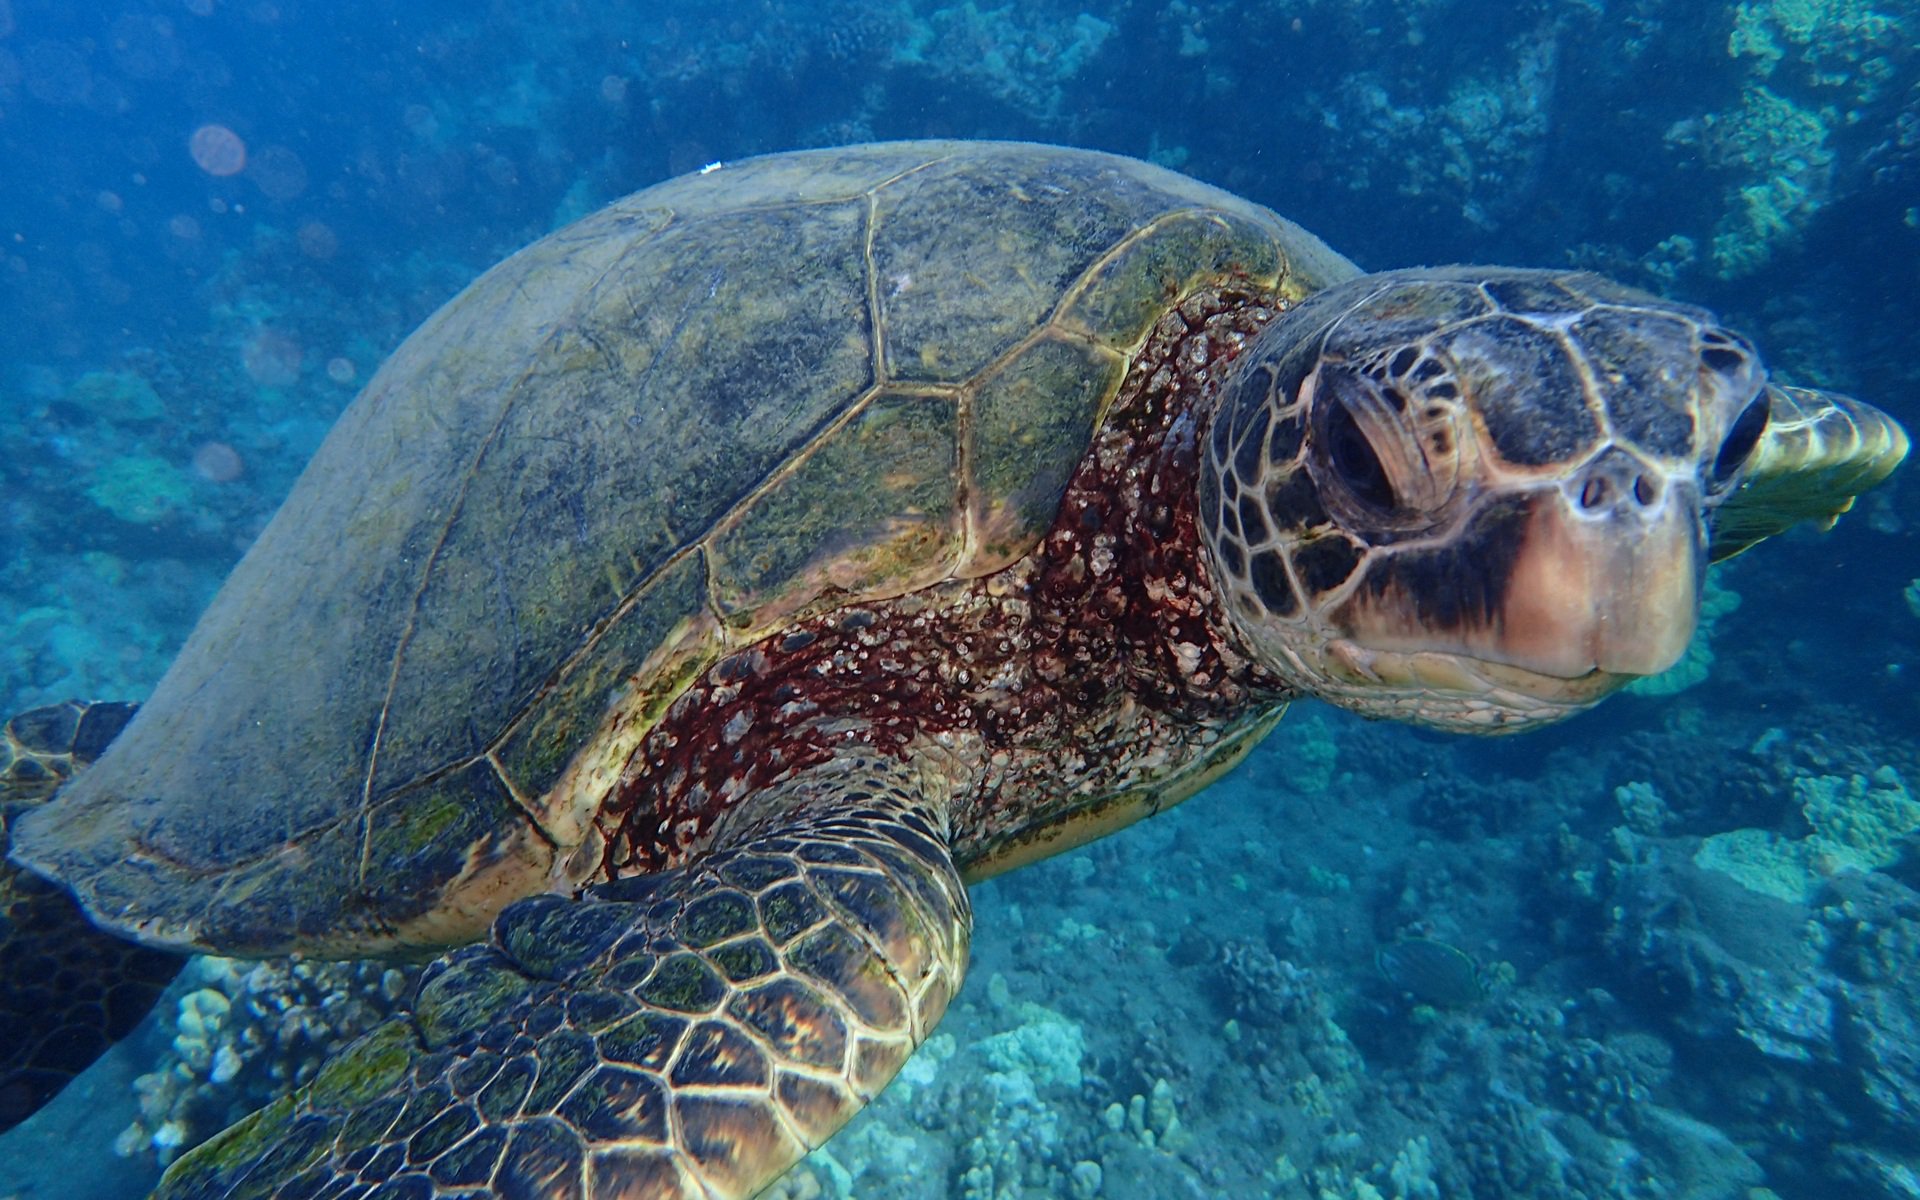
point(1645, 490)
point(1594, 493)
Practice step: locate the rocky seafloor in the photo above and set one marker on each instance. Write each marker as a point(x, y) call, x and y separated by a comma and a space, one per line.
point(1202, 1007)
point(1666, 951)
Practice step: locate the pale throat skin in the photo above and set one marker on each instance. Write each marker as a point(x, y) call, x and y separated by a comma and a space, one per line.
point(1476, 500)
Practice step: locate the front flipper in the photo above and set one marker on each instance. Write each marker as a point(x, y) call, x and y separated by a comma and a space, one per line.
point(681, 1036)
point(67, 990)
point(1819, 451)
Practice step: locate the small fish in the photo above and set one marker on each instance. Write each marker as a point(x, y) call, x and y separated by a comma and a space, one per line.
point(1431, 972)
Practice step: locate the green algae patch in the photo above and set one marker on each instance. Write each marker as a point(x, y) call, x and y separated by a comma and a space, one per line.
point(370, 1068)
point(236, 1146)
point(465, 998)
point(684, 984)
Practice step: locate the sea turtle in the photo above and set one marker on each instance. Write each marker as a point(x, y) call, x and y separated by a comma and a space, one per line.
point(699, 601)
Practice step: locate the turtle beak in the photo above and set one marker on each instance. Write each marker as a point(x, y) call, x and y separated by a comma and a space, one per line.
point(1596, 576)
point(1609, 587)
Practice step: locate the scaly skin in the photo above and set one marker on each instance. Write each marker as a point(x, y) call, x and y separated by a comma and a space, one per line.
point(67, 990)
point(687, 1035)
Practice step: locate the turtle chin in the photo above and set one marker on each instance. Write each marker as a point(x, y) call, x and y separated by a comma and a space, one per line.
point(1449, 690)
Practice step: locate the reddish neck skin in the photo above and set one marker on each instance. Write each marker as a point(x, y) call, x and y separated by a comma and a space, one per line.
point(1100, 662)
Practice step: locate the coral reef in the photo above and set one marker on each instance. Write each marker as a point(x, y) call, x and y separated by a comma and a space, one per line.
point(115, 397)
point(247, 1033)
point(139, 489)
point(1808, 989)
point(1782, 149)
point(1837, 43)
point(1859, 823)
point(1024, 56)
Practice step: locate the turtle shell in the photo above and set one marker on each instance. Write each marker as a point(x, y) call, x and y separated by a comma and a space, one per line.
point(666, 430)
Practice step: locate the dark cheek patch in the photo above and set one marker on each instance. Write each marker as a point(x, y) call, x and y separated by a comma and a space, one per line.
point(1294, 503)
point(1230, 518)
point(1463, 584)
point(1222, 438)
point(1253, 523)
point(1253, 445)
point(1271, 585)
point(1231, 557)
point(1326, 563)
point(1283, 441)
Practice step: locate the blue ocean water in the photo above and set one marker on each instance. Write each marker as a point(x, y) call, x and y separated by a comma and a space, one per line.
point(217, 217)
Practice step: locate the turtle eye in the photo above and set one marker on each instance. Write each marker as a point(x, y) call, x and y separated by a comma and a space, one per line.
point(1355, 461)
point(1740, 440)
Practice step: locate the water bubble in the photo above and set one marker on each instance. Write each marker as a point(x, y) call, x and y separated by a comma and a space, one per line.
point(272, 359)
point(613, 89)
point(217, 462)
point(278, 172)
point(218, 150)
point(184, 227)
point(340, 369)
point(318, 240)
point(420, 121)
point(110, 202)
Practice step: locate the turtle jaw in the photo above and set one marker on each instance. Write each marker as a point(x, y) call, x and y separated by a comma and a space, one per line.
point(1548, 601)
point(1451, 692)
point(1555, 584)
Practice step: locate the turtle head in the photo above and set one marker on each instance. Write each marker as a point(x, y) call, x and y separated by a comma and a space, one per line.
point(1476, 498)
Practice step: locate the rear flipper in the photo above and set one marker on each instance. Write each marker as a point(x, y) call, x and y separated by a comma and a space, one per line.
point(681, 1036)
point(67, 990)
